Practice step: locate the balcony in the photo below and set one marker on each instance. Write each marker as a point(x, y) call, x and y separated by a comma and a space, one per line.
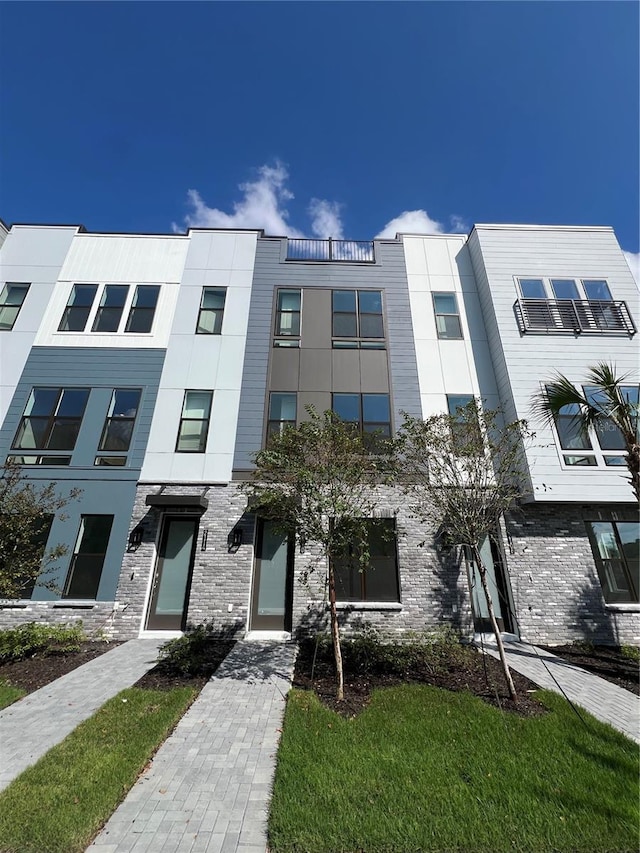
point(345, 251)
point(573, 316)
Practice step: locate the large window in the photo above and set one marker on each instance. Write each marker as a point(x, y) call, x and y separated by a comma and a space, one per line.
point(51, 421)
point(194, 423)
point(370, 412)
point(87, 561)
point(282, 412)
point(118, 426)
point(445, 306)
point(111, 307)
point(11, 299)
point(211, 311)
point(464, 426)
point(616, 549)
point(143, 309)
point(287, 328)
point(379, 580)
point(357, 319)
point(78, 308)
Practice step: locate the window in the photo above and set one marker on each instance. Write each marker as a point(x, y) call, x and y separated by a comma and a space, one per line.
point(370, 412)
point(11, 299)
point(379, 581)
point(357, 319)
point(465, 430)
point(111, 307)
point(51, 420)
point(616, 549)
point(282, 413)
point(564, 288)
point(194, 423)
point(87, 561)
point(40, 460)
point(448, 324)
point(597, 289)
point(287, 328)
point(142, 310)
point(118, 426)
point(532, 288)
point(211, 311)
point(78, 308)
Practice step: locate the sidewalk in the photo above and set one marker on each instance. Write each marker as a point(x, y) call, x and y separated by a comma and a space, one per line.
point(208, 787)
point(30, 727)
point(607, 702)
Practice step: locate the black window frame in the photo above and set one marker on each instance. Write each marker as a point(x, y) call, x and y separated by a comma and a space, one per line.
point(283, 337)
point(8, 307)
point(110, 315)
point(139, 312)
point(78, 313)
point(348, 575)
point(459, 426)
point(73, 587)
point(206, 421)
point(444, 335)
point(217, 312)
point(372, 431)
point(606, 566)
point(277, 425)
point(359, 315)
point(51, 421)
point(110, 419)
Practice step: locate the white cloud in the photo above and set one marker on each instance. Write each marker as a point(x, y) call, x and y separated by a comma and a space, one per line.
point(411, 222)
point(325, 219)
point(458, 224)
point(633, 259)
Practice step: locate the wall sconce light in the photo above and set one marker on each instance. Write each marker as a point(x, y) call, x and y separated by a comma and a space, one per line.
point(205, 537)
point(234, 540)
point(135, 537)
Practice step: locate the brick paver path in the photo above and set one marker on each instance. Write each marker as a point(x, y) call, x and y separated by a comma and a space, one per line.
point(607, 702)
point(30, 727)
point(209, 785)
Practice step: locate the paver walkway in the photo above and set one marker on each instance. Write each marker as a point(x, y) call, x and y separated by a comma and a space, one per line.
point(607, 702)
point(30, 727)
point(208, 787)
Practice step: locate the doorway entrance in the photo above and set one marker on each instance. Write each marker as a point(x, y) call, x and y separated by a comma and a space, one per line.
point(272, 596)
point(172, 576)
point(497, 583)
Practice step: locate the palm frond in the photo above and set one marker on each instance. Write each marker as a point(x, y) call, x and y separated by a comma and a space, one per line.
point(556, 394)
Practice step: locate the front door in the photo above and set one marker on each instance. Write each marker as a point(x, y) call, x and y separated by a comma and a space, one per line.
point(272, 580)
point(172, 576)
point(497, 584)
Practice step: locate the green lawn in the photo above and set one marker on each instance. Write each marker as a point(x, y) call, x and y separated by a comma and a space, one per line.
point(58, 805)
point(424, 769)
point(9, 694)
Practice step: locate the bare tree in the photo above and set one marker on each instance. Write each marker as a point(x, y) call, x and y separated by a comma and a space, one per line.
point(462, 472)
point(318, 483)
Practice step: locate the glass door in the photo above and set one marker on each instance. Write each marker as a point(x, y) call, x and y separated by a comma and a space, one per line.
point(272, 580)
point(497, 588)
point(172, 576)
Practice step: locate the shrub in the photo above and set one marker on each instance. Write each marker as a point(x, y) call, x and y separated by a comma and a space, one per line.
point(198, 652)
point(33, 638)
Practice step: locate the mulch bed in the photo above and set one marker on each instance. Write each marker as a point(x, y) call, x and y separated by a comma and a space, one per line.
point(464, 669)
point(606, 661)
point(41, 669)
point(166, 676)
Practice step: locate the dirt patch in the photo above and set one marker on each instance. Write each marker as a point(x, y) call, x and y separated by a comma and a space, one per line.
point(452, 668)
point(41, 669)
point(606, 661)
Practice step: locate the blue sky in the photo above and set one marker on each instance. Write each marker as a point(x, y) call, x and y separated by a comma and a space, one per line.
point(350, 119)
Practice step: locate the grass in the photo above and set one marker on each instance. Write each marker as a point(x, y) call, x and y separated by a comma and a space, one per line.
point(422, 769)
point(59, 804)
point(9, 694)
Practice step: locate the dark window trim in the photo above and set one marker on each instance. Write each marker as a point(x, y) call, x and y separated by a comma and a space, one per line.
point(51, 420)
point(358, 341)
point(443, 336)
point(280, 312)
point(12, 305)
point(219, 312)
point(633, 583)
point(345, 564)
point(136, 311)
point(204, 434)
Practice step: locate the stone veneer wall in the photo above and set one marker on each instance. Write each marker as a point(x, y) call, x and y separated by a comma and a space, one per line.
point(554, 580)
point(97, 617)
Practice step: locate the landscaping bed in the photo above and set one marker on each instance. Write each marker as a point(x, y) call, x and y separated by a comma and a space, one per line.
point(616, 664)
point(40, 669)
point(441, 662)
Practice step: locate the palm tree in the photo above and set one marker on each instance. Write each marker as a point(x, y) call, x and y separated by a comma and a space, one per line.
point(610, 404)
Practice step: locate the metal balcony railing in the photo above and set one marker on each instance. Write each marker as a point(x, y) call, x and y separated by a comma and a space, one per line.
point(349, 251)
point(586, 316)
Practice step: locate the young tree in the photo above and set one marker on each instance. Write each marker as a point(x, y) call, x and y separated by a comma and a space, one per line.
point(611, 403)
point(462, 473)
point(318, 482)
point(26, 513)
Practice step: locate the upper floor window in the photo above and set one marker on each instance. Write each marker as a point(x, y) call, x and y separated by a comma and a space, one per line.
point(116, 301)
point(118, 426)
point(143, 308)
point(211, 311)
point(88, 557)
point(11, 299)
point(370, 412)
point(570, 305)
point(287, 326)
point(378, 581)
point(194, 422)
point(357, 319)
point(616, 549)
point(445, 306)
point(51, 421)
point(282, 412)
point(464, 425)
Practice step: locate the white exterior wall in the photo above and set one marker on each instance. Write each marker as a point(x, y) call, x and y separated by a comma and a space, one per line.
point(30, 254)
point(441, 264)
point(502, 253)
point(205, 362)
point(118, 259)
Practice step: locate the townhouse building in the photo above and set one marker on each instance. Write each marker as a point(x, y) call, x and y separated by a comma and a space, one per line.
point(147, 370)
